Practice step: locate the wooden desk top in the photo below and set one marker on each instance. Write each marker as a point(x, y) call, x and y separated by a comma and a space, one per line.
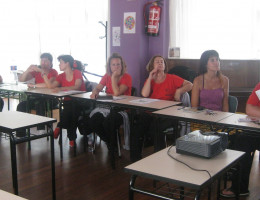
point(13, 120)
point(189, 113)
point(162, 167)
point(134, 102)
point(234, 121)
point(8, 196)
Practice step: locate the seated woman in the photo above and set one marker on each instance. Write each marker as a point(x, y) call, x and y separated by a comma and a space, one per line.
point(247, 144)
point(159, 85)
point(117, 82)
point(211, 88)
point(70, 79)
point(37, 72)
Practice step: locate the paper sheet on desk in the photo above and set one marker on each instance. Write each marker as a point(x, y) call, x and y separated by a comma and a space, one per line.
point(115, 98)
point(69, 92)
point(248, 119)
point(144, 101)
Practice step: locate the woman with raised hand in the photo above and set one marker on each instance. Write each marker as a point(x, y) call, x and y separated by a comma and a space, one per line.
point(117, 82)
point(163, 86)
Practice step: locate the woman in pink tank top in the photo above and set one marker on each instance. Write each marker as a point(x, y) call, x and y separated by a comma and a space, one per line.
point(211, 88)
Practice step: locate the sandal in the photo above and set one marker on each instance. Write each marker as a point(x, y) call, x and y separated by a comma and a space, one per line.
point(229, 193)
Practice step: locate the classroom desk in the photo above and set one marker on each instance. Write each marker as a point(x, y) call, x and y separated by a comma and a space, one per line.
point(233, 122)
point(130, 102)
point(8, 90)
point(126, 102)
point(161, 167)
point(189, 114)
point(12, 121)
point(50, 94)
point(8, 196)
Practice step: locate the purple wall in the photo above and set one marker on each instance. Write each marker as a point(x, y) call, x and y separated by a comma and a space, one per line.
point(138, 48)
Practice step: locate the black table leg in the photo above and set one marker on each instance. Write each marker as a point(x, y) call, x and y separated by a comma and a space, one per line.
point(53, 166)
point(14, 163)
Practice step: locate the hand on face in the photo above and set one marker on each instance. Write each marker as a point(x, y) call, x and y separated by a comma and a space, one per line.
point(116, 67)
point(34, 68)
point(153, 73)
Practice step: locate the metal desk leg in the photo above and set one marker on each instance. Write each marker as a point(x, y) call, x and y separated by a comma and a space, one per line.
point(132, 182)
point(197, 196)
point(14, 163)
point(60, 138)
point(53, 166)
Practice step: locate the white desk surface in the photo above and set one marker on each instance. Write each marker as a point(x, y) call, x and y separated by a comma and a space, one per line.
point(178, 111)
point(234, 120)
point(51, 92)
point(162, 167)
point(13, 120)
point(127, 101)
point(8, 196)
point(21, 87)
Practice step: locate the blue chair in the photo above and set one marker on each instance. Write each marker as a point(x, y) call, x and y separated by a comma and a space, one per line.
point(232, 103)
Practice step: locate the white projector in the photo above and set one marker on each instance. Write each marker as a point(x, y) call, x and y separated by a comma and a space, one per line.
point(202, 144)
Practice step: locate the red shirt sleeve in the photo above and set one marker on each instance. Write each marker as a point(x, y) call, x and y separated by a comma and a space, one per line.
point(253, 98)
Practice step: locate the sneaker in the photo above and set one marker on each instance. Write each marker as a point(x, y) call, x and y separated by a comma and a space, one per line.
point(72, 143)
point(229, 193)
point(56, 133)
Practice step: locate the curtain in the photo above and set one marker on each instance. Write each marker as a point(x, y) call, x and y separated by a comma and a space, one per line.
point(231, 27)
point(32, 27)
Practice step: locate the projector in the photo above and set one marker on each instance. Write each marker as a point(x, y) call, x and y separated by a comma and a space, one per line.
point(202, 144)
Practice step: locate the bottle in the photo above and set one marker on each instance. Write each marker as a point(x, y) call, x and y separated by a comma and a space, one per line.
point(13, 69)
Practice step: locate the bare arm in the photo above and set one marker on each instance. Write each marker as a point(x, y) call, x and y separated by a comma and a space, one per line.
point(195, 93)
point(27, 74)
point(226, 93)
point(146, 91)
point(252, 110)
point(118, 90)
point(96, 91)
point(186, 87)
point(77, 86)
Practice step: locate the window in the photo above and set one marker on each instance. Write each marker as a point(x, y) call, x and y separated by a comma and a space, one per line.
point(29, 28)
point(231, 27)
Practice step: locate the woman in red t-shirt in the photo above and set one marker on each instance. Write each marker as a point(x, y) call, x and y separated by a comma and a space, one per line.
point(117, 82)
point(163, 86)
point(70, 79)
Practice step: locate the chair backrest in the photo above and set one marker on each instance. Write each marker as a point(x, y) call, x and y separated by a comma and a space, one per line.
point(232, 103)
point(90, 85)
point(133, 91)
point(183, 72)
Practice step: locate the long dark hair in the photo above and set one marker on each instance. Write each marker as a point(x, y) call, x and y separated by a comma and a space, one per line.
point(205, 58)
point(74, 64)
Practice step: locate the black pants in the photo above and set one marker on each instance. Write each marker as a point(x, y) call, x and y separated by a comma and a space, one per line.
point(249, 145)
point(105, 126)
point(1, 104)
point(148, 126)
point(69, 118)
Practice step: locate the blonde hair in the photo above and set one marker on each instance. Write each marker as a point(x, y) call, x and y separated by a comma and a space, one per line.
point(108, 68)
point(150, 65)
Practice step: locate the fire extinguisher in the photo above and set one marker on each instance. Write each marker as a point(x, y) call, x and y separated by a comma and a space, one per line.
point(152, 26)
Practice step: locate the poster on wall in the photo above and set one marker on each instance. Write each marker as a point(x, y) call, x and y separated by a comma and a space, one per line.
point(129, 22)
point(116, 36)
